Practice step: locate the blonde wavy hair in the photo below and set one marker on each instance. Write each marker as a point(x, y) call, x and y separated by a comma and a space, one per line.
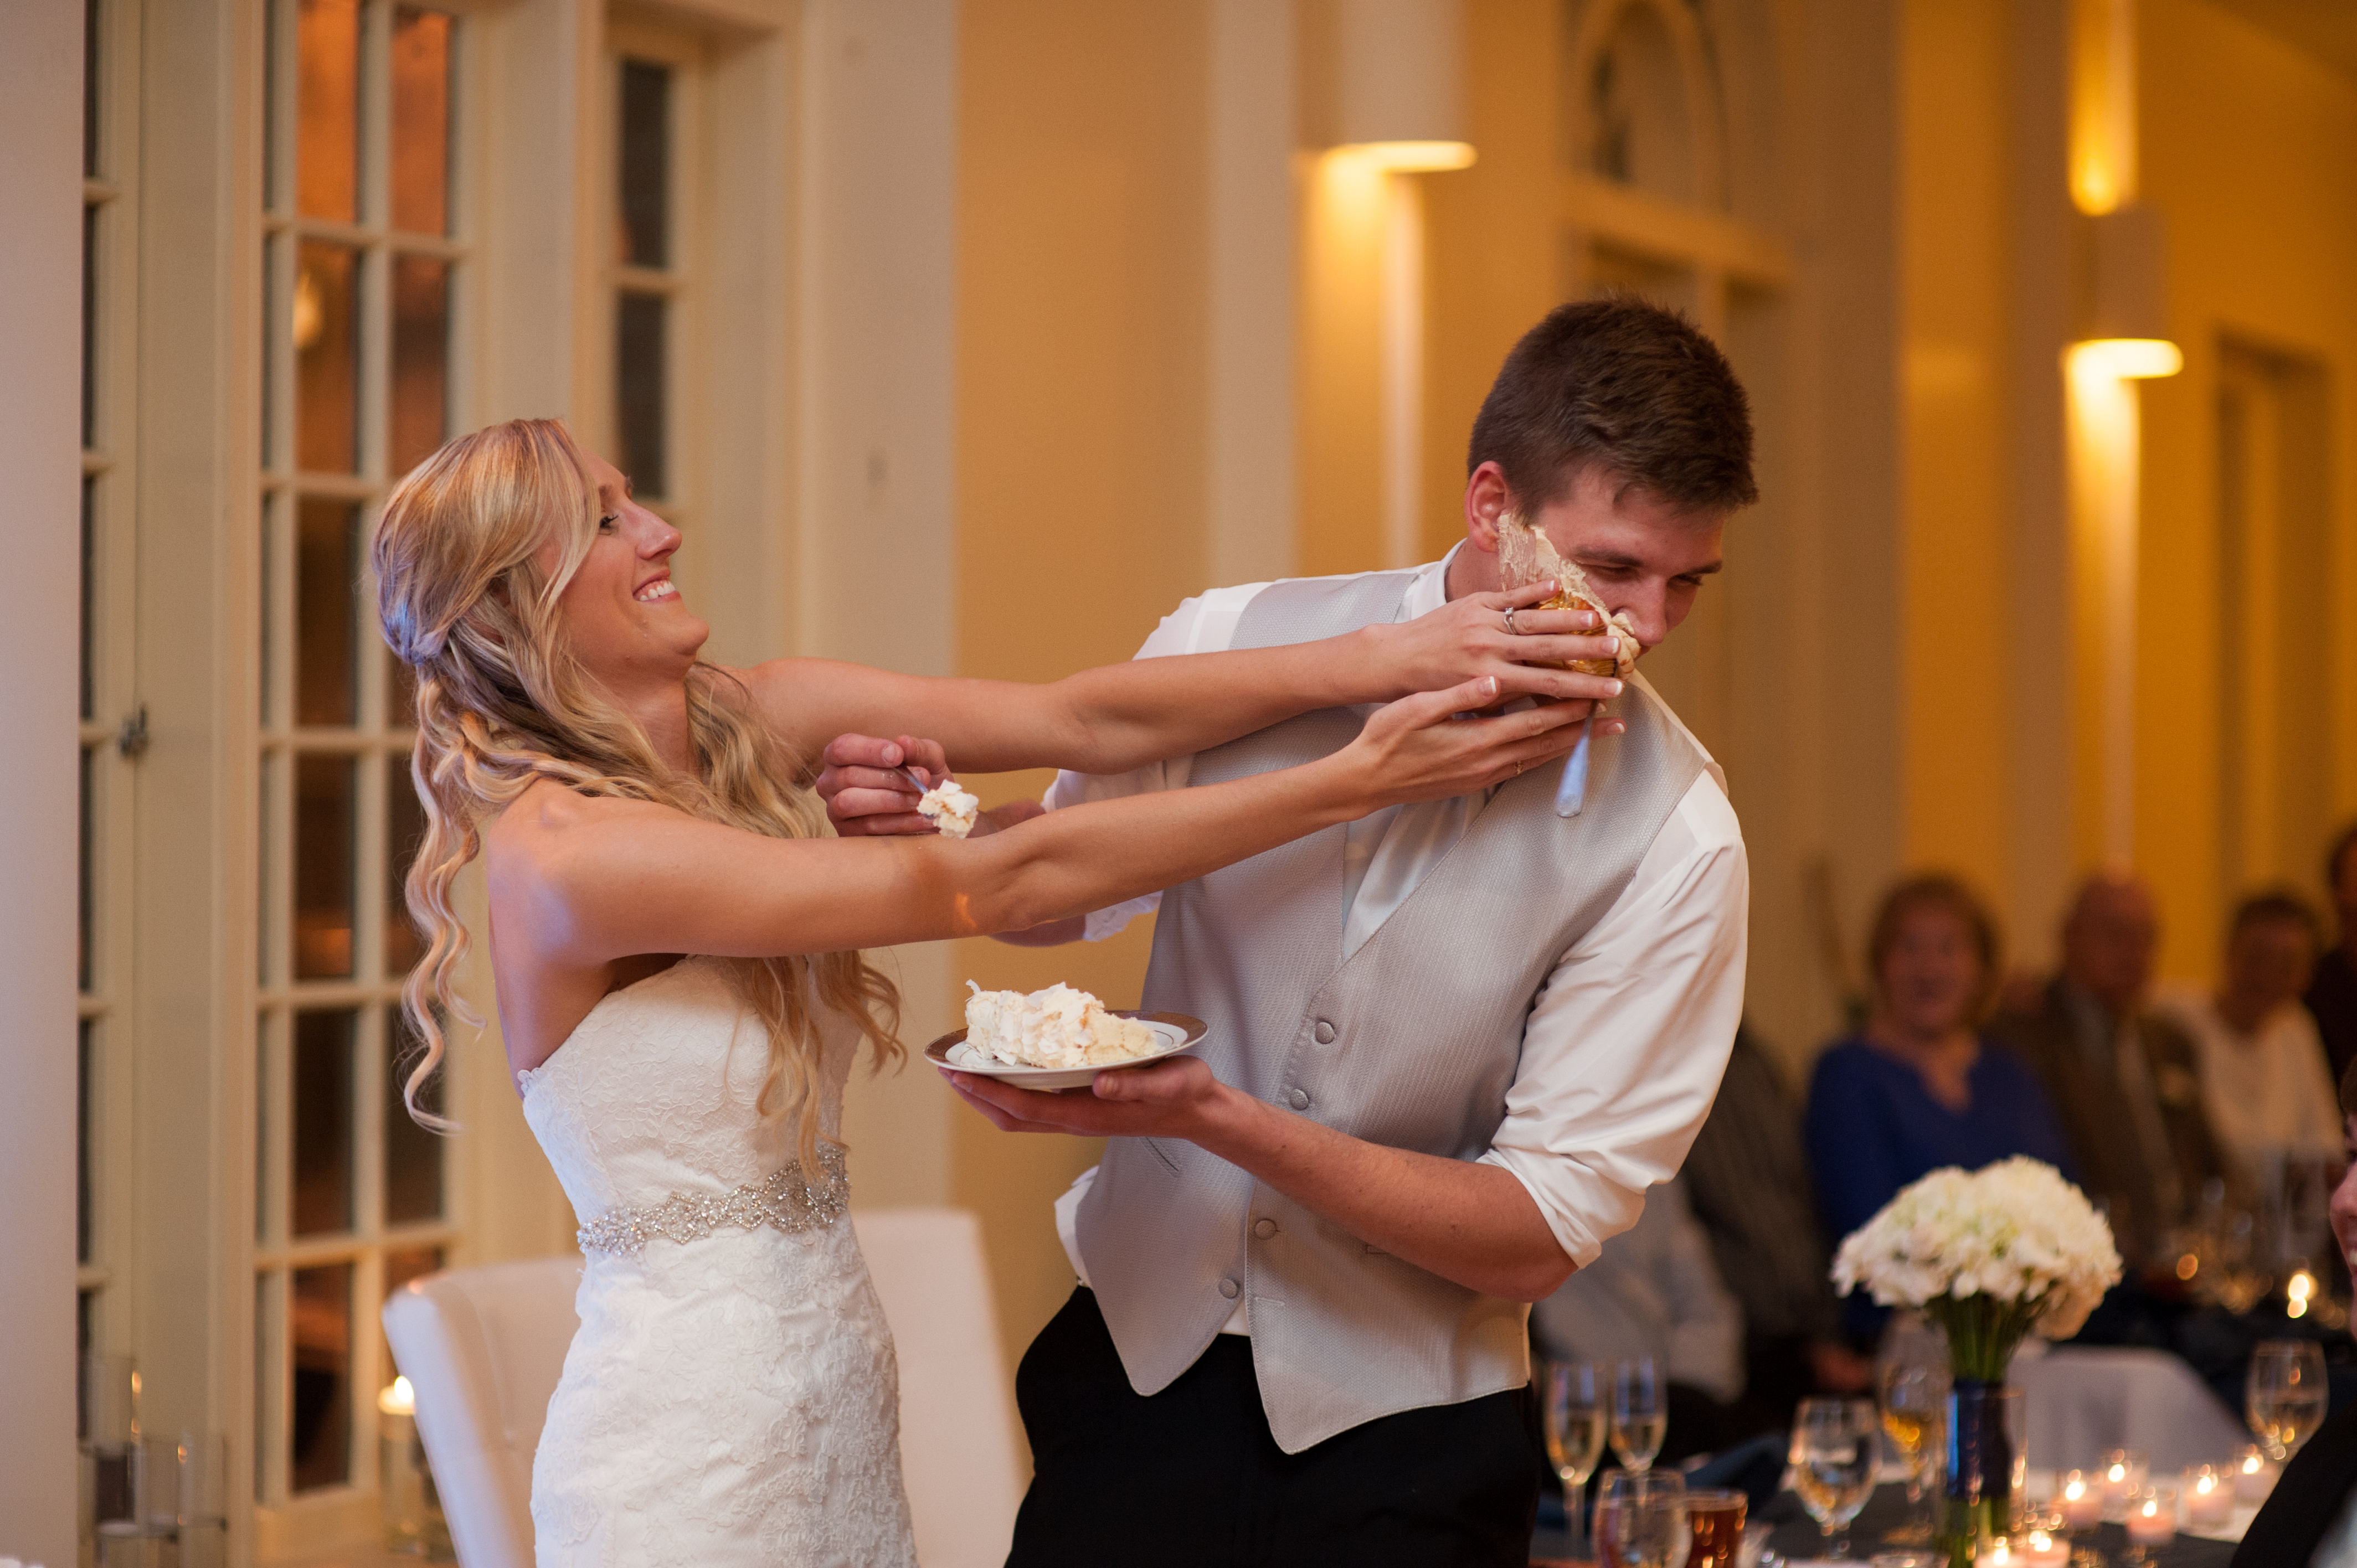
point(502, 702)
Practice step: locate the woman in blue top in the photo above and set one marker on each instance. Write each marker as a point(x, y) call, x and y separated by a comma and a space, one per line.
point(1922, 1087)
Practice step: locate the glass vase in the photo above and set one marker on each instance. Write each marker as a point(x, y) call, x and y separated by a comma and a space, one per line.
point(1985, 1469)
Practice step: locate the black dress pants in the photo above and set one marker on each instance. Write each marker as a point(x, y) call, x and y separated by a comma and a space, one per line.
point(1191, 1476)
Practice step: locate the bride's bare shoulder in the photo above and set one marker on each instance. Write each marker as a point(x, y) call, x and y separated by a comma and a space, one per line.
point(540, 826)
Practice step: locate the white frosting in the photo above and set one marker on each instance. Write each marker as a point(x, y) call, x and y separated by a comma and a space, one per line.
point(949, 808)
point(1059, 1027)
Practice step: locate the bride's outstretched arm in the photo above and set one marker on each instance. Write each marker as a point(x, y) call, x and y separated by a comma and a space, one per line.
point(581, 882)
point(1119, 716)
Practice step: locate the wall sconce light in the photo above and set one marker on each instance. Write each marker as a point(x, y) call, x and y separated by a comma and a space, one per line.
point(1412, 157)
point(2127, 359)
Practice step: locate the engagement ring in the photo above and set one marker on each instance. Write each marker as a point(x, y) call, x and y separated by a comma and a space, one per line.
point(1510, 624)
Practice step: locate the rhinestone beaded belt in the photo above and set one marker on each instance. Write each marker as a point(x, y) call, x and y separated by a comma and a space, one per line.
point(786, 1200)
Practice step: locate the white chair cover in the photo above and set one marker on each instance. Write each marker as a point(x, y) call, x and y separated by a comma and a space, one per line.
point(483, 1348)
point(957, 1422)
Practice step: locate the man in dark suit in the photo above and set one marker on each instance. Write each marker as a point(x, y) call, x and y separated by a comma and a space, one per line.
point(2126, 1081)
point(2332, 993)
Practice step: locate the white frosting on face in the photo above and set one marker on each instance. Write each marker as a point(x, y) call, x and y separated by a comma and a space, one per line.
point(1527, 556)
point(949, 808)
point(1059, 1028)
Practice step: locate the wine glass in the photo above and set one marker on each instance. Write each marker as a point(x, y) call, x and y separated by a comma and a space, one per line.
point(1641, 1412)
point(2284, 1397)
point(1913, 1397)
point(1832, 1463)
point(1641, 1519)
point(1575, 1415)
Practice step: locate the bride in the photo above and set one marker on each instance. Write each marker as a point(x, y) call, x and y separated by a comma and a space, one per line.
point(730, 1395)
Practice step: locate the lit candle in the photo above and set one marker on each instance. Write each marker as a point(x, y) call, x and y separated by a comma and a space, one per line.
point(2040, 1549)
point(2081, 1497)
point(397, 1399)
point(1998, 1555)
point(2209, 1495)
point(2123, 1474)
point(2152, 1517)
point(2255, 1475)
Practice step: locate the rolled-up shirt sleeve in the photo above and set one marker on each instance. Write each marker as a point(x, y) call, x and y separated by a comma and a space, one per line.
point(1629, 1037)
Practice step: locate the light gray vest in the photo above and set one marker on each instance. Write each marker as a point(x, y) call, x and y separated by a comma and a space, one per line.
point(1414, 1043)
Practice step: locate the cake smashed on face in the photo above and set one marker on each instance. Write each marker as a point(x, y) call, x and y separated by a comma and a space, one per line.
point(1527, 556)
point(1059, 1027)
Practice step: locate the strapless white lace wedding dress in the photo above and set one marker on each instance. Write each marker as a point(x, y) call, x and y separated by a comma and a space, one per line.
point(731, 1396)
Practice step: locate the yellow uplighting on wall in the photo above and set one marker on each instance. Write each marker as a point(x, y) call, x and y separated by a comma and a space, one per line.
point(2127, 359)
point(1412, 157)
point(2102, 105)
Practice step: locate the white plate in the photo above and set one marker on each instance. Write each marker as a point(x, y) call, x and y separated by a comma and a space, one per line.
point(1175, 1031)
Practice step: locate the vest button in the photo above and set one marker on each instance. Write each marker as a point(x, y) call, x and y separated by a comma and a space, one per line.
point(1300, 1099)
point(1324, 1033)
point(1264, 1229)
point(1229, 1289)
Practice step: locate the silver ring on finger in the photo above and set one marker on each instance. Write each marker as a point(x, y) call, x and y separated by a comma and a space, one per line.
point(1510, 624)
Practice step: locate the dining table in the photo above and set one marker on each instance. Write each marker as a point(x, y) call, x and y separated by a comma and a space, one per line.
point(1794, 1539)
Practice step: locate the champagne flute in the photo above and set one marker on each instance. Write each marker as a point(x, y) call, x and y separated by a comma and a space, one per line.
point(1912, 1397)
point(1575, 1415)
point(1832, 1463)
point(1641, 1412)
point(1641, 1519)
point(2284, 1397)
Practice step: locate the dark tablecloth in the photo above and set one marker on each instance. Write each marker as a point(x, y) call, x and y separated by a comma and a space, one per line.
point(1796, 1536)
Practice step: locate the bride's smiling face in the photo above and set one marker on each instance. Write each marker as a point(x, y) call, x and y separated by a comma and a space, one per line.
point(622, 613)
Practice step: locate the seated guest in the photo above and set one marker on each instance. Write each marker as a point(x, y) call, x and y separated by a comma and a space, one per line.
point(1746, 1180)
point(2263, 1084)
point(1655, 1292)
point(2126, 1081)
point(1920, 1089)
point(2332, 994)
point(2310, 1518)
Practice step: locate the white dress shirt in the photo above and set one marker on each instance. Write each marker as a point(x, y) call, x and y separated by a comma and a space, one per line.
point(1628, 1037)
point(2267, 1093)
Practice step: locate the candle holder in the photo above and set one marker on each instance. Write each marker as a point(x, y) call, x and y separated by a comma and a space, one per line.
point(2152, 1519)
point(2207, 1492)
point(412, 1510)
point(2079, 1496)
point(2122, 1473)
point(2255, 1474)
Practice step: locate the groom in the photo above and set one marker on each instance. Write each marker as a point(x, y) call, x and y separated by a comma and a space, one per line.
point(1450, 1045)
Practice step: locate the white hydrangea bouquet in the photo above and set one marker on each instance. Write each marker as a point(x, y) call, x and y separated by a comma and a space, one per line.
point(1990, 1255)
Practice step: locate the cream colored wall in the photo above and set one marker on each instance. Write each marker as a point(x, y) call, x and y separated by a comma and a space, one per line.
point(1953, 238)
point(2245, 147)
point(1081, 492)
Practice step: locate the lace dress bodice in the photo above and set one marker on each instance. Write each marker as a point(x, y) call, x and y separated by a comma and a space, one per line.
point(729, 1399)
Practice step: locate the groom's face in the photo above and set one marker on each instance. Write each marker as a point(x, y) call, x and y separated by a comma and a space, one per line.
point(1641, 554)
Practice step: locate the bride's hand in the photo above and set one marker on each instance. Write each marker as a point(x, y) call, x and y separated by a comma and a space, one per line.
point(1467, 638)
point(1418, 749)
point(866, 794)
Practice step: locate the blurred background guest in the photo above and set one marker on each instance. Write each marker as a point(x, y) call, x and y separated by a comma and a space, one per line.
point(2263, 1084)
point(2332, 993)
point(1748, 1183)
point(1655, 1292)
point(2126, 1081)
point(2310, 1517)
point(1921, 1088)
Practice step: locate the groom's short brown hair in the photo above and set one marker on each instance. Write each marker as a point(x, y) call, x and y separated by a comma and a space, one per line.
point(1626, 386)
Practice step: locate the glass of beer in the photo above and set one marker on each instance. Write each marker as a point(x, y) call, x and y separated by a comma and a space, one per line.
point(1717, 1519)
